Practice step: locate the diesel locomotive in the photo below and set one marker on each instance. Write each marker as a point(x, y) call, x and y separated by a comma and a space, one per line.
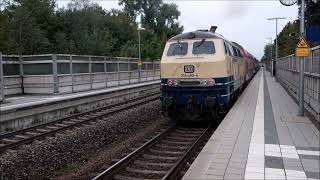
point(201, 71)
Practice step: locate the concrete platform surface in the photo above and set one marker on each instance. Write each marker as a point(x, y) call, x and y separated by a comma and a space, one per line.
point(261, 138)
point(23, 101)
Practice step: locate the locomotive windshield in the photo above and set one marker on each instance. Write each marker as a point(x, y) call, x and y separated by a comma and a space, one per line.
point(178, 49)
point(203, 47)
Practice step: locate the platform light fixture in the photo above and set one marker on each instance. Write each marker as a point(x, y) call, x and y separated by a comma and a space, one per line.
point(270, 38)
point(276, 19)
point(139, 35)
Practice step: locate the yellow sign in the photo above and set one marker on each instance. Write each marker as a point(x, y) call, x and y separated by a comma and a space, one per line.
point(303, 48)
point(139, 62)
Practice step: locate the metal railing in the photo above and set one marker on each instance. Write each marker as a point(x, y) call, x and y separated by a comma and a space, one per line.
point(288, 75)
point(62, 73)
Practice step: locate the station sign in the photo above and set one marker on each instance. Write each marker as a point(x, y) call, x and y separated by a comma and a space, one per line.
point(303, 48)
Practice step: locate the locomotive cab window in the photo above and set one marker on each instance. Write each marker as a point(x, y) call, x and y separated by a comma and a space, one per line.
point(177, 49)
point(203, 47)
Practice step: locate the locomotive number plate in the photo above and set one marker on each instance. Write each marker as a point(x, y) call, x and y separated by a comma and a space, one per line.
point(189, 69)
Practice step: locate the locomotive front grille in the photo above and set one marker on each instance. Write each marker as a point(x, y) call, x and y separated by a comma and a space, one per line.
point(190, 83)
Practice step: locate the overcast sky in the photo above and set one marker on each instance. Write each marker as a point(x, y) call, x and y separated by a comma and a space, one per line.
point(244, 22)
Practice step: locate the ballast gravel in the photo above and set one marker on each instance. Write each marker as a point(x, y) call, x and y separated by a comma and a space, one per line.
point(40, 159)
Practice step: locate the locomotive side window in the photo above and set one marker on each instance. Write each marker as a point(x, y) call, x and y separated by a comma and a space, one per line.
point(240, 54)
point(203, 47)
point(226, 49)
point(177, 49)
point(235, 51)
point(230, 50)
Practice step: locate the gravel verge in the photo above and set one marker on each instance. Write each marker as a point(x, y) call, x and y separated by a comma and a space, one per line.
point(41, 159)
point(105, 157)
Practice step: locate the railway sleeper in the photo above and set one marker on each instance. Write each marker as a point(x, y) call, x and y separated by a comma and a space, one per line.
point(68, 122)
point(61, 125)
point(89, 116)
point(52, 127)
point(149, 156)
point(166, 146)
point(32, 133)
point(145, 171)
point(76, 120)
point(165, 152)
point(6, 140)
point(188, 132)
point(175, 138)
point(43, 130)
point(123, 177)
point(184, 135)
point(166, 141)
point(152, 164)
point(21, 136)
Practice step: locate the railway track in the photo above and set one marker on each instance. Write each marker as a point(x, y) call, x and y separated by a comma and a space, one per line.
point(163, 157)
point(17, 138)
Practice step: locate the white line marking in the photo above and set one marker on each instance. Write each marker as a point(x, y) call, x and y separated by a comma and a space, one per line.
point(307, 152)
point(255, 162)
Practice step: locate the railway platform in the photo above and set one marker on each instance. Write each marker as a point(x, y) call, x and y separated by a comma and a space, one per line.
point(261, 138)
point(21, 101)
point(22, 111)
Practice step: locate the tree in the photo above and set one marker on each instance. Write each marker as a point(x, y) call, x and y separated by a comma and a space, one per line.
point(167, 21)
point(147, 9)
point(312, 12)
point(36, 26)
point(161, 18)
point(287, 43)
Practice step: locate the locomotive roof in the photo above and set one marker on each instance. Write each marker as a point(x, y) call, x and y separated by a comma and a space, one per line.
point(196, 35)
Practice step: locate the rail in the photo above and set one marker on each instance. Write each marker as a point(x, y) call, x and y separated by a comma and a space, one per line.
point(17, 138)
point(162, 157)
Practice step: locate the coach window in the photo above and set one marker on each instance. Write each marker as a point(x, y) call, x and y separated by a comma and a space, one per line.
point(178, 49)
point(203, 47)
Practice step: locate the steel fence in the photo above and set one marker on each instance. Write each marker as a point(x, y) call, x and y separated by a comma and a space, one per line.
point(62, 73)
point(288, 75)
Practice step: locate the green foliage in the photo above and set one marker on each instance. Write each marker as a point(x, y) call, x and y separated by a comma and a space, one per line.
point(156, 15)
point(286, 43)
point(312, 12)
point(37, 27)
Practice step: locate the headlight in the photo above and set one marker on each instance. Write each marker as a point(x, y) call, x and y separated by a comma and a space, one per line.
point(171, 82)
point(210, 82)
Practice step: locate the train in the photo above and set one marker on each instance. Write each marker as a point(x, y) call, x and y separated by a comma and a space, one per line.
point(201, 73)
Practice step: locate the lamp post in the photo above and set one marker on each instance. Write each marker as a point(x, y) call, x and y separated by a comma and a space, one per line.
point(140, 61)
point(301, 74)
point(275, 18)
point(301, 61)
point(270, 38)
